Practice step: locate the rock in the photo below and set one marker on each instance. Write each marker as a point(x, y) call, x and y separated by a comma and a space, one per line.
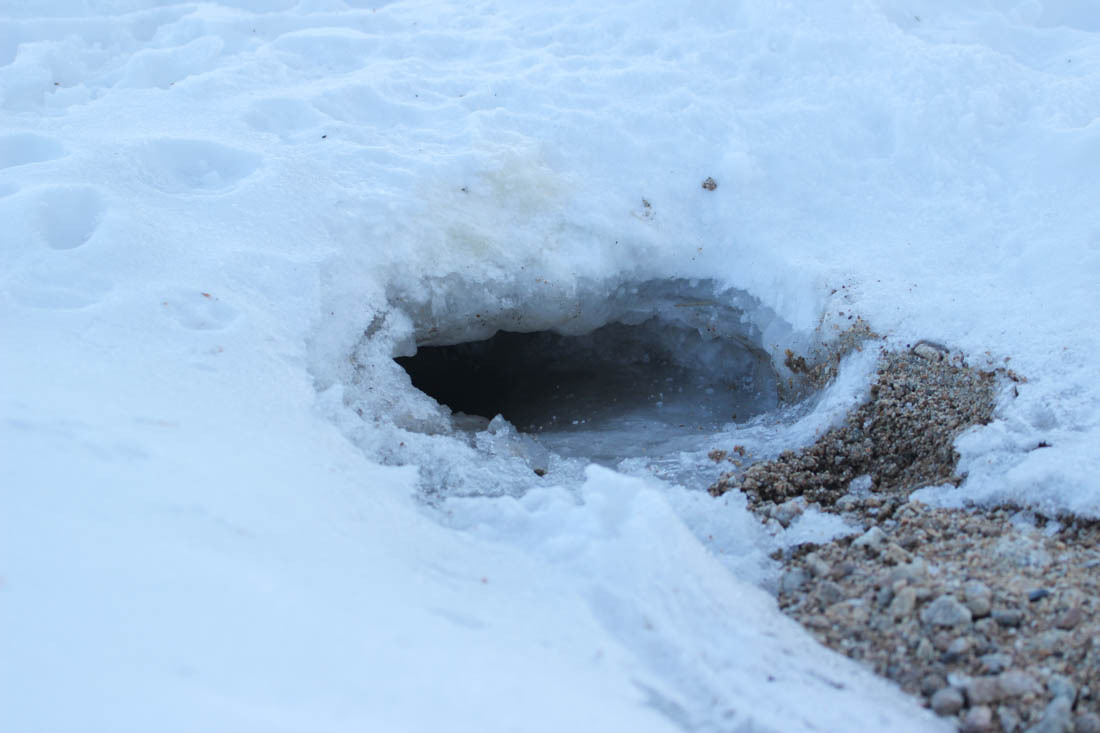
point(1009, 720)
point(1048, 642)
point(983, 690)
point(945, 611)
point(1070, 618)
point(1057, 718)
point(1062, 686)
point(979, 598)
point(1017, 683)
point(931, 683)
point(977, 720)
point(905, 600)
point(849, 613)
point(925, 651)
point(793, 580)
point(956, 650)
point(1087, 723)
point(818, 567)
point(894, 555)
point(947, 701)
point(871, 540)
point(995, 663)
point(830, 593)
point(786, 512)
point(1037, 595)
point(1008, 617)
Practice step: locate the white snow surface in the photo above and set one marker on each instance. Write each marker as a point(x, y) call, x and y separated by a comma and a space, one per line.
point(224, 507)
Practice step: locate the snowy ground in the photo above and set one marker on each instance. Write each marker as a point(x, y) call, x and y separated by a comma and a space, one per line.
point(221, 220)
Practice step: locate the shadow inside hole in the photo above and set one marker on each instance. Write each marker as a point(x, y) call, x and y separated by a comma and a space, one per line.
point(618, 391)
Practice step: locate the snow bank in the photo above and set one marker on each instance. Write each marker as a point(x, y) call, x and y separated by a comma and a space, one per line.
point(223, 220)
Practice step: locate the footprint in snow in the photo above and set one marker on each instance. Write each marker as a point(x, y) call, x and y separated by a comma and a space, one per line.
point(24, 148)
point(67, 216)
point(194, 166)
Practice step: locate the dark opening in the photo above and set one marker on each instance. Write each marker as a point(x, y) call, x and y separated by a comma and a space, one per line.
point(619, 377)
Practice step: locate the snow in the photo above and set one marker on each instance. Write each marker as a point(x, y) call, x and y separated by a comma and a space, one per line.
point(225, 508)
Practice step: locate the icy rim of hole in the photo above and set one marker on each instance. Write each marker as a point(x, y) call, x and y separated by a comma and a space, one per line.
point(410, 428)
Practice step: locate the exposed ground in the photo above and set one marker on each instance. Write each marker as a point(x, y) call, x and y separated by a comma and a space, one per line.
point(990, 616)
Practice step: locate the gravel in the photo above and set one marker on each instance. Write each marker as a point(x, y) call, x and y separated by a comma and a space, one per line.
point(989, 616)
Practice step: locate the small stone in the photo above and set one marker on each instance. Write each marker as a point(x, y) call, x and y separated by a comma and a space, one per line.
point(1057, 718)
point(1017, 683)
point(894, 555)
point(710, 184)
point(925, 651)
point(1010, 721)
point(979, 598)
point(1047, 642)
point(884, 596)
point(1008, 617)
point(945, 611)
point(1087, 723)
point(871, 540)
point(977, 720)
point(849, 613)
point(995, 663)
point(932, 683)
point(1038, 594)
point(1061, 686)
point(1070, 619)
point(905, 600)
point(793, 580)
point(982, 690)
point(830, 593)
point(818, 567)
point(947, 701)
point(786, 512)
point(956, 650)
point(846, 503)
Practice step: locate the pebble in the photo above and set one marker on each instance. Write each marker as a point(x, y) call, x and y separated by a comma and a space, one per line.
point(1070, 619)
point(1062, 686)
point(905, 600)
point(1087, 723)
point(956, 650)
point(1017, 683)
point(932, 683)
point(979, 598)
point(945, 611)
point(982, 690)
point(829, 592)
point(786, 512)
point(1008, 617)
point(995, 663)
point(1057, 718)
point(947, 701)
point(871, 540)
point(977, 720)
point(816, 565)
point(1009, 720)
point(1038, 594)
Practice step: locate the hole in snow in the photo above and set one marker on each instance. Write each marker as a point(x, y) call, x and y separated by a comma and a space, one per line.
point(655, 377)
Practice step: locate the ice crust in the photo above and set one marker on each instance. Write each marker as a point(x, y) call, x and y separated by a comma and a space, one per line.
point(221, 222)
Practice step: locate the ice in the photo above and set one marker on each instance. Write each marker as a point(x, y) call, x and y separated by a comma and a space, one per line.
point(225, 507)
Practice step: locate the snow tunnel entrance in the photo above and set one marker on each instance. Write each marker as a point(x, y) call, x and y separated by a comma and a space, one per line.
point(621, 390)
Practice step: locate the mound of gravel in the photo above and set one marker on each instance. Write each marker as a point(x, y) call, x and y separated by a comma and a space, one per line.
point(989, 616)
